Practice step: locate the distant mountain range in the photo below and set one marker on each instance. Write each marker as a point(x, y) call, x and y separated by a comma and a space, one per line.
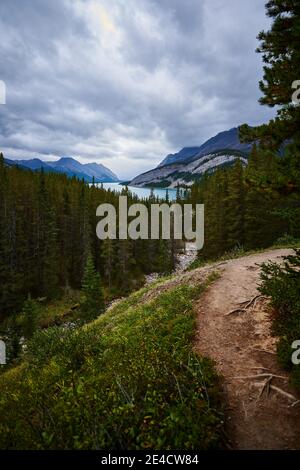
point(70, 167)
point(190, 163)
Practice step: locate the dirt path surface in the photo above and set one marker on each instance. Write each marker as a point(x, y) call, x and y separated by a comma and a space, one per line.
point(242, 346)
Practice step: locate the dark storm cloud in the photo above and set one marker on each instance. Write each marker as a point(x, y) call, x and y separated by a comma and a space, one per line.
point(125, 82)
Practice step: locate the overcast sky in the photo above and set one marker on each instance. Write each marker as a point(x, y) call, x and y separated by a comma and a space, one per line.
point(125, 82)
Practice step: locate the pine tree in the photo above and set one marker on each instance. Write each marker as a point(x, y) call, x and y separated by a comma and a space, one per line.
point(214, 197)
point(178, 193)
point(281, 55)
point(65, 240)
point(152, 196)
point(93, 304)
point(167, 199)
point(235, 206)
point(165, 262)
point(273, 183)
point(47, 249)
point(108, 257)
point(262, 226)
point(256, 219)
point(30, 316)
point(127, 265)
point(12, 337)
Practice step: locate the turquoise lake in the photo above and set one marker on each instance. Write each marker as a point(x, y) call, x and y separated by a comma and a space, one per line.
point(142, 193)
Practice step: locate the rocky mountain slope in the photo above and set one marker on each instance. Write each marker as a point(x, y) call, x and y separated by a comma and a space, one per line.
point(223, 140)
point(191, 163)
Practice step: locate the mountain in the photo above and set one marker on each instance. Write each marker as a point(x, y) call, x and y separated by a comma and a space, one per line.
point(70, 167)
point(187, 173)
point(191, 163)
point(224, 140)
point(184, 154)
point(94, 169)
point(9, 162)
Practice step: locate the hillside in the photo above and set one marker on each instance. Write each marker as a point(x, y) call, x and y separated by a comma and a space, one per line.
point(70, 167)
point(129, 380)
point(188, 165)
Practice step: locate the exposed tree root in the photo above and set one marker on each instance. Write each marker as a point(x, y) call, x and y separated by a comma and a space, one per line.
point(260, 376)
point(236, 310)
point(280, 391)
point(266, 386)
point(249, 303)
point(244, 306)
point(295, 403)
point(264, 351)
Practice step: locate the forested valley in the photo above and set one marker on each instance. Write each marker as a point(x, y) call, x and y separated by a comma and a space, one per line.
point(48, 231)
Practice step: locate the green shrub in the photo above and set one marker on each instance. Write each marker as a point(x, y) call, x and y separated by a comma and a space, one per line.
point(282, 285)
point(287, 240)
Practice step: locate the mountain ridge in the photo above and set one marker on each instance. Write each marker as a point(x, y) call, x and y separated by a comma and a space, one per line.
point(223, 140)
point(71, 167)
point(190, 163)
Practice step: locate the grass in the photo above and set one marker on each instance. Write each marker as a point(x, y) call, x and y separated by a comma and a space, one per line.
point(59, 310)
point(240, 251)
point(129, 380)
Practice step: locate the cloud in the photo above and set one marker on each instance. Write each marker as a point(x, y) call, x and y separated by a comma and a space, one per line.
point(125, 82)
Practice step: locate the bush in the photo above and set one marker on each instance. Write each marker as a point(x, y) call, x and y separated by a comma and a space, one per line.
point(282, 284)
point(287, 240)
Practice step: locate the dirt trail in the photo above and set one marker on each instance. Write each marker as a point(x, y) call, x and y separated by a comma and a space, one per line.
point(242, 346)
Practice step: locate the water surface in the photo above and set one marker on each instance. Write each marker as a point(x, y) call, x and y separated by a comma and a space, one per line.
point(142, 193)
